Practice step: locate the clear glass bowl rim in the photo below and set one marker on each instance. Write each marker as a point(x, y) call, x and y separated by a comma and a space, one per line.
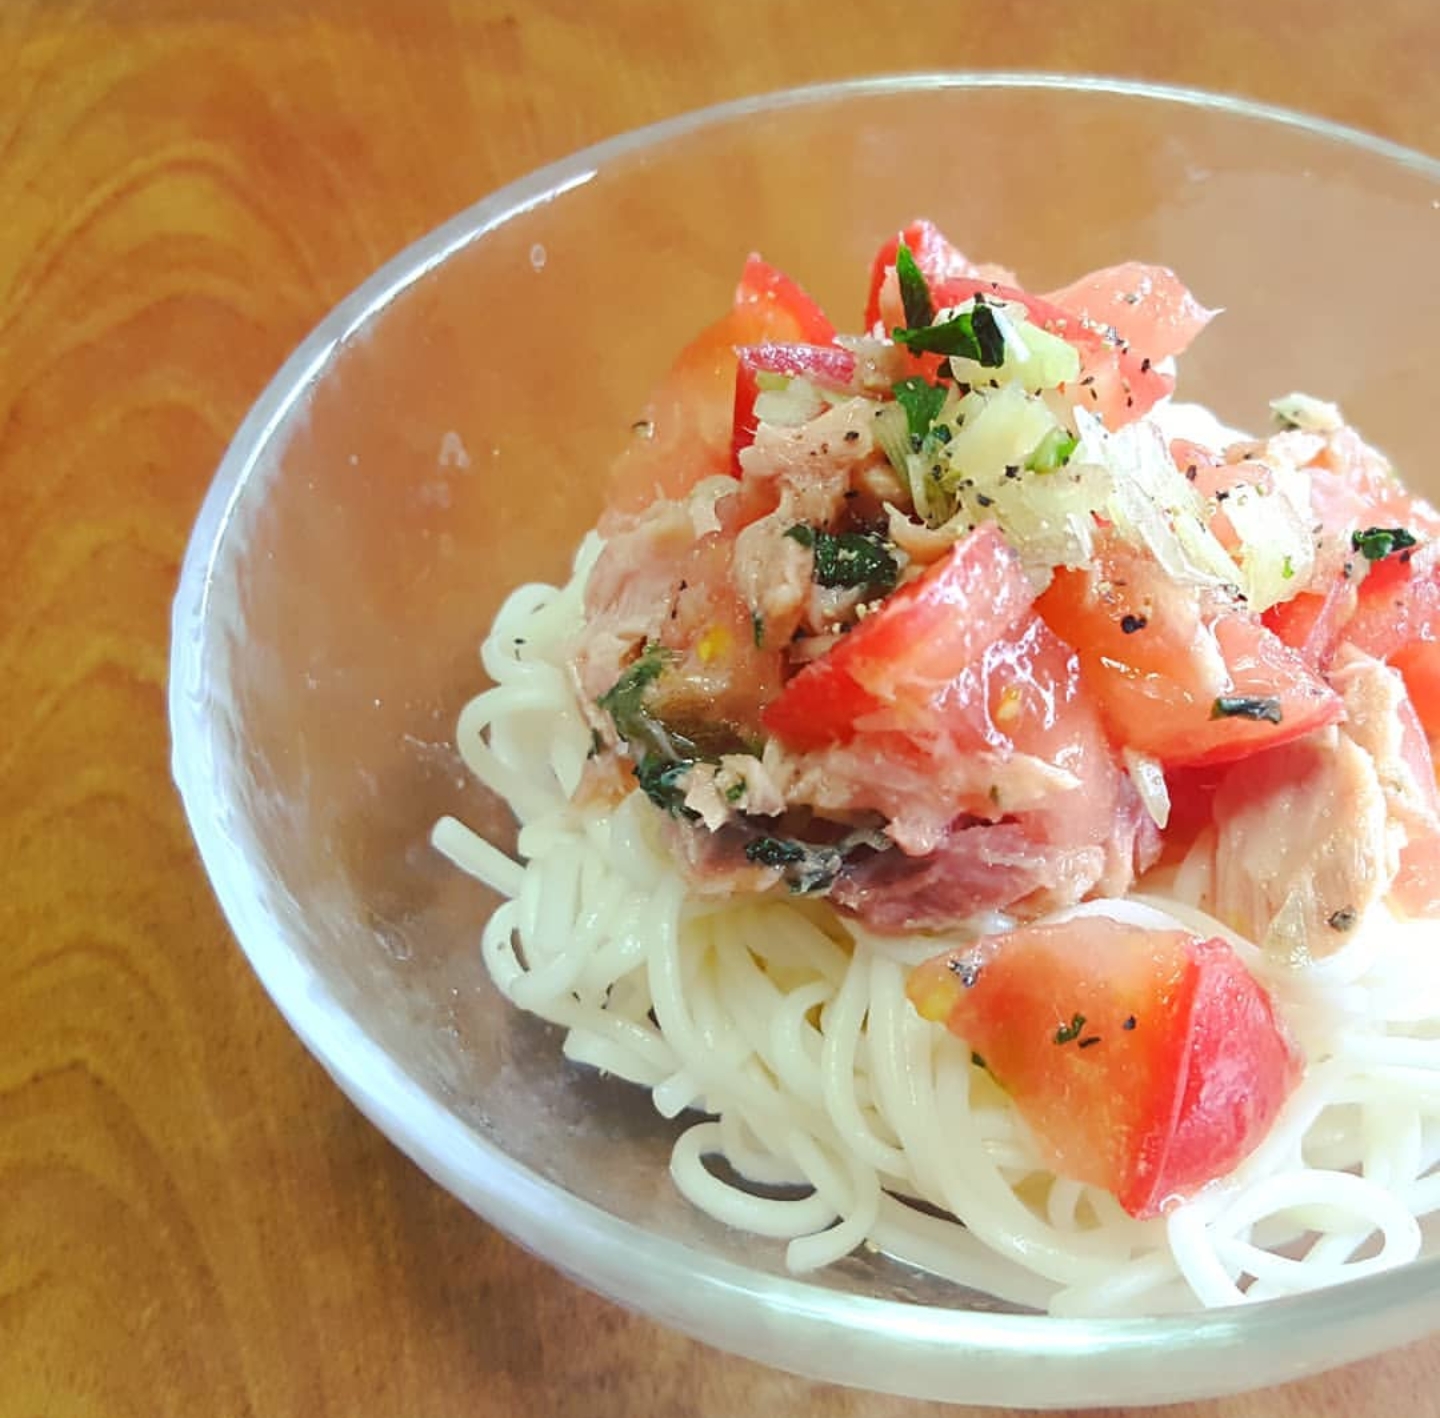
point(507, 1194)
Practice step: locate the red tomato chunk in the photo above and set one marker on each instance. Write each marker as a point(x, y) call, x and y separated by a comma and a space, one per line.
point(1147, 1062)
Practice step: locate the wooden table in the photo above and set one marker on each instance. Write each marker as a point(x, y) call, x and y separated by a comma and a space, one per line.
point(192, 1219)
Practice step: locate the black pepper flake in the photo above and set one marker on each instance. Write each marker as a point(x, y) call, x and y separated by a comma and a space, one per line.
point(1129, 1022)
point(1088, 1040)
point(966, 971)
point(1145, 365)
point(984, 501)
point(851, 434)
point(1191, 472)
point(1222, 496)
point(1342, 920)
point(1131, 623)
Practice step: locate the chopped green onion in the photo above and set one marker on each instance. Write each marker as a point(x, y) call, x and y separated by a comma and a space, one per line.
point(1053, 451)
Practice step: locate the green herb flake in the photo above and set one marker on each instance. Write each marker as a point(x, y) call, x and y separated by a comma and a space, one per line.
point(914, 289)
point(1376, 543)
point(972, 334)
point(624, 701)
point(664, 783)
point(922, 402)
point(863, 560)
point(1287, 567)
point(1244, 706)
point(735, 791)
point(1068, 1033)
point(805, 869)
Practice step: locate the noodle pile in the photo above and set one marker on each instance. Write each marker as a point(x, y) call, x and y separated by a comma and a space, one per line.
point(787, 1028)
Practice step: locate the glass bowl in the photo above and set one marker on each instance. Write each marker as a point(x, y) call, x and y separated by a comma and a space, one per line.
point(444, 435)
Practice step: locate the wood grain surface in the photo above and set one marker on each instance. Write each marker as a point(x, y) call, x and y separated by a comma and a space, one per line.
point(192, 1219)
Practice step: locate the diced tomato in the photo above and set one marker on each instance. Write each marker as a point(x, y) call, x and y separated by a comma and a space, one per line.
point(688, 427)
point(1149, 307)
point(1397, 619)
point(1147, 1062)
point(954, 701)
point(1311, 622)
point(900, 658)
point(827, 365)
point(779, 306)
point(1159, 665)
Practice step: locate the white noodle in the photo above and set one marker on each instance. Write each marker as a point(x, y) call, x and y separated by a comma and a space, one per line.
point(790, 1028)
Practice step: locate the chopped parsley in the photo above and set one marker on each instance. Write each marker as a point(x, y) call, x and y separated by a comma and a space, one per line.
point(805, 869)
point(663, 753)
point(1245, 706)
point(663, 782)
point(914, 289)
point(1068, 1033)
point(972, 334)
point(922, 402)
point(1376, 543)
point(855, 559)
point(624, 701)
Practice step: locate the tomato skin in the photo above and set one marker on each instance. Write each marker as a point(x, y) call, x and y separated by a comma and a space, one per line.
point(826, 365)
point(897, 660)
point(1148, 1062)
point(1157, 682)
point(775, 303)
point(691, 412)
